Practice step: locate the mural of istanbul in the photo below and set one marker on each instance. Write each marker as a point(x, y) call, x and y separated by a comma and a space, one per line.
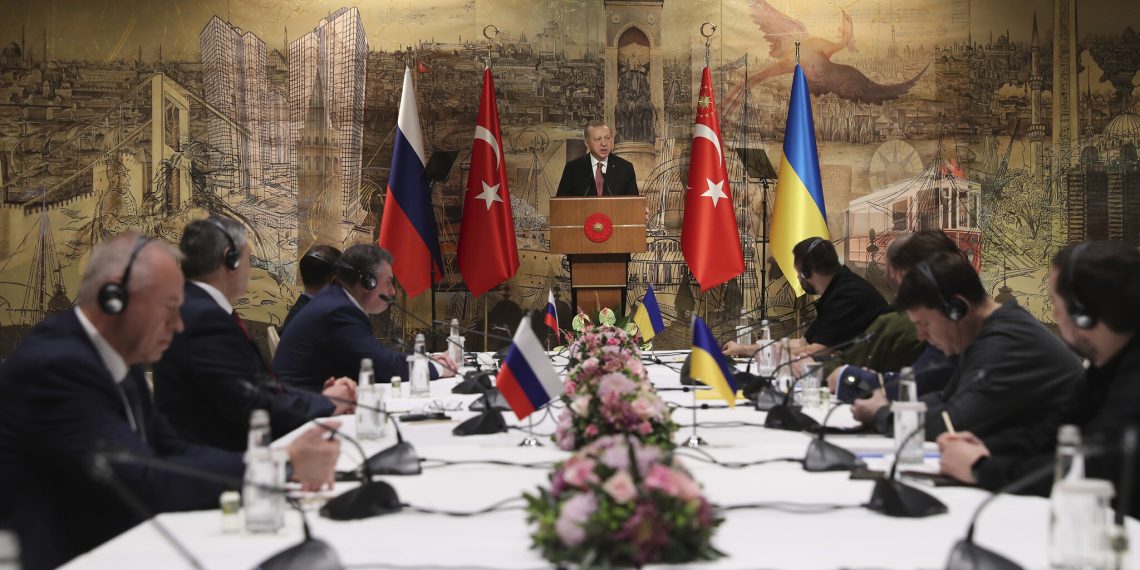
point(1010, 124)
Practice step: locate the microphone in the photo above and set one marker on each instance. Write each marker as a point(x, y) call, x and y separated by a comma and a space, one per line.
point(790, 417)
point(309, 553)
point(895, 499)
point(756, 387)
point(822, 455)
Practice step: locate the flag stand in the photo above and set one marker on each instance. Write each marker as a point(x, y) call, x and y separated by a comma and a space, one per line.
point(530, 440)
point(694, 439)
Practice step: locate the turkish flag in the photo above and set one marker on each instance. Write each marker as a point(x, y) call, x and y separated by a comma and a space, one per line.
point(710, 240)
point(487, 251)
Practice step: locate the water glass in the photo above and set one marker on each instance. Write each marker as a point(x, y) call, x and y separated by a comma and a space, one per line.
point(1081, 529)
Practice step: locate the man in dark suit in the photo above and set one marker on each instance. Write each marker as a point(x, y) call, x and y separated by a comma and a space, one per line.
point(333, 333)
point(316, 268)
point(203, 382)
point(75, 385)
point(598, 173)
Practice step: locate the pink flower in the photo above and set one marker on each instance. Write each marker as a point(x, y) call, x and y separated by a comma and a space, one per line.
point(644, 406)
point(636, 367)
point(644, 428)
point(575, 513)
point(616, 457)
point(591, 430)
point(646, 455)
point(687, 488)
point(570, 386)
point(661, 478)
point(564, 433)
point(620, 486)
point(613, 341)
point(581, 405)
point(615, 383)
point(590, 364)
point(579, 471)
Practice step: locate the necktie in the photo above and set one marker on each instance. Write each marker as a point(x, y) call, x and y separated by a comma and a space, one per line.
point(127, 389)
point(599, 182)
point(245, 331)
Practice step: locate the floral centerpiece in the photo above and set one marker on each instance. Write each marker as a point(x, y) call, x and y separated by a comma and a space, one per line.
point(618, 502)
point(608, 392)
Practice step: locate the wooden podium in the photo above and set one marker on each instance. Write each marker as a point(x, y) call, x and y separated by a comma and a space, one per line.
point(598, 234)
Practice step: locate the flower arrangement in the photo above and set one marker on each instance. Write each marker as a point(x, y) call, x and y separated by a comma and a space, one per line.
point(618, 502)
point(608, 392)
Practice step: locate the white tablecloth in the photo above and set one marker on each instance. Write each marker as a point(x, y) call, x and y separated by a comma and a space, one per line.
point(1013, 526)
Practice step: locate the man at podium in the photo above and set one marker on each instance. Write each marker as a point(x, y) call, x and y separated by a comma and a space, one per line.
point(598, 173)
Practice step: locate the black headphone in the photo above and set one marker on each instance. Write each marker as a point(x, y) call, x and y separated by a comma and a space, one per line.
point(232, 257)
point(954, 308)
point(367, 280)
point(113, 297)
point(319, 256)
point(1082, 317)
point(805, 269)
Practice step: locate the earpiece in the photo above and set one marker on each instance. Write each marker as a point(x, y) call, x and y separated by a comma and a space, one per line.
point(113, 297)
point(232, 257)
point(953, 307)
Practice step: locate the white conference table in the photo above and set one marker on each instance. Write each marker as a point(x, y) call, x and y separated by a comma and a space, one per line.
point(1014, 526)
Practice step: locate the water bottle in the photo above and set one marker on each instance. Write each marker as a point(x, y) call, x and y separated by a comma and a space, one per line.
point(397, 387)
point(369, 401)
point(766, 358)
point(784, 375)
point(1081, 529)
point(910, 432)
point(455, 343)
point(418, 375)
point(743, 332)
point(9, 551)
point(264, 473)
point(1070, 462)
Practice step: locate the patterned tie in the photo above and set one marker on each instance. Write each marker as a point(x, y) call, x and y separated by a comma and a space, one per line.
point(599, 182)
point(245, 331)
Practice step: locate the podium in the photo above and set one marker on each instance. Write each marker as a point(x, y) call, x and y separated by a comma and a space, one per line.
point(598, 234)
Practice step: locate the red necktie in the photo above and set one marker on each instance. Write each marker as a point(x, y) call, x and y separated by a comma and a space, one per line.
point(599, 182)
point(245, 331)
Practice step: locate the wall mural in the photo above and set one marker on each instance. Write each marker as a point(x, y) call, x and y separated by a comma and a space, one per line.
point(1003, 123)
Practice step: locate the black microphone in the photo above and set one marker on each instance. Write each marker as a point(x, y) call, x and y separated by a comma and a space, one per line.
point(822, 455)
point(895, 499)
point(790, 417)
point(309, 553)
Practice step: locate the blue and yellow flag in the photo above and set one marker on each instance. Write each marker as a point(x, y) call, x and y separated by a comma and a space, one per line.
point(708, 365)
point(648, 316)
point(799, 212)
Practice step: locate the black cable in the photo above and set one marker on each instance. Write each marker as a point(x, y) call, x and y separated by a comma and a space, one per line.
point(450, 463)
point(499, 506)
point(789, 507)
point(534, 433)
point(714, 425)
point(708, 458)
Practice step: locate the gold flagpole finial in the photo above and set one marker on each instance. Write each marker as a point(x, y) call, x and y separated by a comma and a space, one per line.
point(797, 52)
point(490, 31)
point(708, 38)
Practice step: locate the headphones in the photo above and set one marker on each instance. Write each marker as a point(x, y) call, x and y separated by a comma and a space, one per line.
point(954, 308)
point(232, 257)
point(805, 269)
point(113, 297)
point(367, 280)
point(1082, 317)
point(319, 256)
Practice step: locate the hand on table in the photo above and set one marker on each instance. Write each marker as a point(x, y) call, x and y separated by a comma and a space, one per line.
point(864, 409)
point(314, 457)
point(960, 452)
point(342, 388)
point(449, 365)
point(733, 348)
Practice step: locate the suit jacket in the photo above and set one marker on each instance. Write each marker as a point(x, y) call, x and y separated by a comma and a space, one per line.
point(302, 300)
point(578, 178)
point(197, 382)
point(58, 404)
point(329, 338)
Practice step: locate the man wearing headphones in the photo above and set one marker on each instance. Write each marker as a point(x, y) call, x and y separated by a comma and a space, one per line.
point(1012, 372)
point(333, 333)
point(213, 375)
point(1095, 291)
point(847, 303)
point(75, 386)
point(317, 268)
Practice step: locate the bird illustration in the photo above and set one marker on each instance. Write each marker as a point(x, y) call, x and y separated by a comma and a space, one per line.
point(823, 76)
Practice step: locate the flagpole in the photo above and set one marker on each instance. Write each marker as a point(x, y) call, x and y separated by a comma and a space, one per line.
point(694, 439)
point(486, 324)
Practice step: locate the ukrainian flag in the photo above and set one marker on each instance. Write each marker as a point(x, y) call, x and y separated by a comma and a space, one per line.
point(707, 363)
point(648, 316)
point(799, 212)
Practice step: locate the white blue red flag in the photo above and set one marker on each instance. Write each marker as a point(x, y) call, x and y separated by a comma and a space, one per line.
point(407, 229)
point(527, 379)
point(551, 312)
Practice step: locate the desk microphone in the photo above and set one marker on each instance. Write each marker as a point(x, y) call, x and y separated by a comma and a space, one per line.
point(310, 553)
point(822, 455)
point(895, 499)
point(787, 416)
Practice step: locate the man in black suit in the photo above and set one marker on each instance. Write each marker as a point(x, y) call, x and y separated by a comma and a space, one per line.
point(75, 385)
point(316, 268)
point(202, 384)
point(598, 173)
point(333, 333)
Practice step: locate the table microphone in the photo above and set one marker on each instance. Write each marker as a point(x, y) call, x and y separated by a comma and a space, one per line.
point(822, 455)
point(787, 416)
point(309, 553)
point(896, 499)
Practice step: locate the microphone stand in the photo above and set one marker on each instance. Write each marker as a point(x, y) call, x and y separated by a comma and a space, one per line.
point(895, 499)
point(787, 416)
point(309, 553)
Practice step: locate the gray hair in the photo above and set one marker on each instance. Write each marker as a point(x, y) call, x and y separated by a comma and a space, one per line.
point(109, 261)
point(593, 124)
point(204, 243)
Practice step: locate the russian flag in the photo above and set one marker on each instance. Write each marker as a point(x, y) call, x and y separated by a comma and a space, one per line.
point(527, 379)
point(551, 313)
point(407, 229)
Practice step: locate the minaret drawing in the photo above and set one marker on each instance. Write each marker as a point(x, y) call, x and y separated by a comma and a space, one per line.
point(318, 175)
point(1036, 118)
point(1065, 111)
